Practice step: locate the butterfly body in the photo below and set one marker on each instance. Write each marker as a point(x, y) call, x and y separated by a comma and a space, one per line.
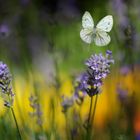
point(98, 33)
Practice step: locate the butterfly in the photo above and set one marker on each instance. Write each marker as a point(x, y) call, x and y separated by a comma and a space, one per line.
point(98, 34)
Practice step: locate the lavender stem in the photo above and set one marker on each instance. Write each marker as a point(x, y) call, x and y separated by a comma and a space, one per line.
point(93, 115)
point(89, 116)
point(16, 122)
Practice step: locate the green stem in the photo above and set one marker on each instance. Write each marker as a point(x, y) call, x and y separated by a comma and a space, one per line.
point(16, 123)
point(90, 111)
point(93, 115)
point(88, 121)
point(67, 127)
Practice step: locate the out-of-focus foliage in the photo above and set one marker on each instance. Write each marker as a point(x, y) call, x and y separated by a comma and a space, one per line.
point(40, 42)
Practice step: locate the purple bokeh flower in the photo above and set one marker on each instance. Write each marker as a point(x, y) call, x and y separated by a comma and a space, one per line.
point(122, 93)
point(37, 113)
point(138, 137)
point(81, 83)
point(4, 30)
point(24, 2)
point(120, 9)
point(125, 70)
point(67, 103)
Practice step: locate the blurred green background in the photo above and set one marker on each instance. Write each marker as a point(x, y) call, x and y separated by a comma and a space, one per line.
point(40, 42)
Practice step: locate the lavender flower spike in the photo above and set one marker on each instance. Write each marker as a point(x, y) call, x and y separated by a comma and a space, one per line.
point(5, 85)
point(5, 77)
point(98, 67)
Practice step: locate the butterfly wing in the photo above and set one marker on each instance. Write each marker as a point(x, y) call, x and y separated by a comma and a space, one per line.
point(101, 38)
point(105, 24)
point(87, 21)
point(86, 35)
point(88, 25)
